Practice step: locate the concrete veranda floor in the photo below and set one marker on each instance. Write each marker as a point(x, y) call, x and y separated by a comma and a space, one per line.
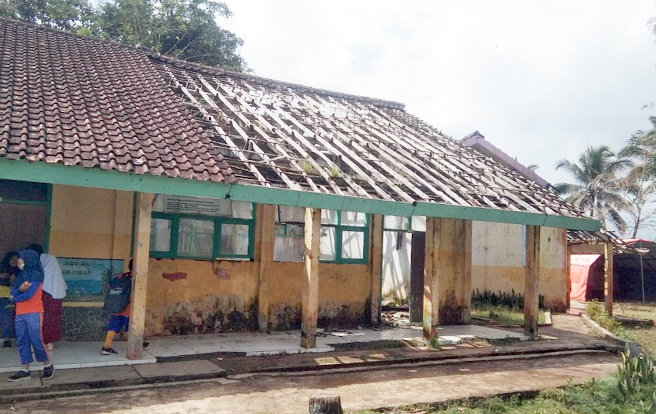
point(71, 355)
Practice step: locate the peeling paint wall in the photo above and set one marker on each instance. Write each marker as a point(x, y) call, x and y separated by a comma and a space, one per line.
point(207, 297)
point(204, 297)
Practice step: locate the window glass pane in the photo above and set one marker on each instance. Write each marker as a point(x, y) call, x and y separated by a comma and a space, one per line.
point(352, 245)
point(241, 209)
point(288, 249)
point(327, 243)
point(287, 214)
point(280, 230)
point(158, 203)
point(160, 235)
point(418, 223)
point(328, 216)
point(396, 223)
point(234, 239)
point(352, 218)
point(196, 238)
point(296, 231)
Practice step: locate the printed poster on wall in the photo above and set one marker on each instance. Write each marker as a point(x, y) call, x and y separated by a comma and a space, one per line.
point(87, 279)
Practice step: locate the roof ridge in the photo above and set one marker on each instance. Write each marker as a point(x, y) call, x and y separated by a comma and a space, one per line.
point(76, 35)
point(220, 71)
point(272, 83)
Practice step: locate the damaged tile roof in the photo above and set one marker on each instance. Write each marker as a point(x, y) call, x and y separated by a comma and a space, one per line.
point(290, 136)
point(81, 101)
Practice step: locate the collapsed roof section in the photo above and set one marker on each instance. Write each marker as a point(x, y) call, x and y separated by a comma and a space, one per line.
point(283, 135)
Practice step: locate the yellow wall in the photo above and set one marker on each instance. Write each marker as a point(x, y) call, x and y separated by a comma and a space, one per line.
point(221, 296)
point(90, 223)
point(212, 296)
point(497, 261)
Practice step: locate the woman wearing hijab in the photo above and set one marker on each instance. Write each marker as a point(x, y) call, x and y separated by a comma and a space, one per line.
point(54, 291)
point(27, 292)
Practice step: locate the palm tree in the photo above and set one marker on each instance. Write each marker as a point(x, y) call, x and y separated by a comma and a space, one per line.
point(598, 188)
point(640, 183)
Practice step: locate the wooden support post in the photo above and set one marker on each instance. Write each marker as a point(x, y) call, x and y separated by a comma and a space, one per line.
point(454, 257)
point(376, 265)
point(531, 279)
point(608, 276)
point(310, 305)
point(266, 229)
point(431, 272)
point(139, 275)
point(464, 268)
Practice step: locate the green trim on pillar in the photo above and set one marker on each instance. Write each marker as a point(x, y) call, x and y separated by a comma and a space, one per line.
point(42, 172)
point(46, 242)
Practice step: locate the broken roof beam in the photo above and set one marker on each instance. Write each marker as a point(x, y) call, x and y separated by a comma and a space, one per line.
point(234, 147)
point(275, 145)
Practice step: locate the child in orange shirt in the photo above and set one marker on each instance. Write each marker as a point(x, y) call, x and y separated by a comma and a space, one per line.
point(27, 292)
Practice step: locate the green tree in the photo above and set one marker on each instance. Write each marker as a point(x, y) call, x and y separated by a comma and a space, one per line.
point(598, 189)
point(640, 183)
point(58, 14)
point(183, 29)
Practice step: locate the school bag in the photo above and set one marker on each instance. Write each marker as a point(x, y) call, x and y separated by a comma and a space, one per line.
point(118, 296)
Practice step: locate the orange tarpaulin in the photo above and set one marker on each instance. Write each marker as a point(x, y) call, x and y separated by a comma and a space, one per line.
point(579, 270)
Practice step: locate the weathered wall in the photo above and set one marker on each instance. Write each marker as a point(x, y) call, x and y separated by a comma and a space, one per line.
point(193, 296)
point(89, 223)
point(190, 296)
point(497, 261)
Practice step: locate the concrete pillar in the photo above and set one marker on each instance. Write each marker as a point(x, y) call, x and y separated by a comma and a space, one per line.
point(531, 279)
point(139, 275)
point(376, 266)
point(265, 239)
point(608, 276)
point(310, 302)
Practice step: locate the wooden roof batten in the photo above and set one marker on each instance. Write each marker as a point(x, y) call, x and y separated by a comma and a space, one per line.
point(312, 139)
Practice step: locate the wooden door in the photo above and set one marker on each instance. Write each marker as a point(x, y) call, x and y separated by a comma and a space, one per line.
point(416, 297)
point(21, 225)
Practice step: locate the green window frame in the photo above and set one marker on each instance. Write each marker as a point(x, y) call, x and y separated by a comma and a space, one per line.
point(340, 228)
point(218, 251)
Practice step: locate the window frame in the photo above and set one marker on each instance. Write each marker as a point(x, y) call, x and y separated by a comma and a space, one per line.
point(172, 253)
point(339, 229)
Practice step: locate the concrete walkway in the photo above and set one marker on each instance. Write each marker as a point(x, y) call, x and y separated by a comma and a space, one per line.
point(70, 355)
point(569, 340)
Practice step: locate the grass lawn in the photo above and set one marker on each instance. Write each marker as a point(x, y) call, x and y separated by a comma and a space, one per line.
point(502, 315)
point(645, 336)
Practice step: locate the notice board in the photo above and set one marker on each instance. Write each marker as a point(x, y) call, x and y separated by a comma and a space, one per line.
point(87, 279)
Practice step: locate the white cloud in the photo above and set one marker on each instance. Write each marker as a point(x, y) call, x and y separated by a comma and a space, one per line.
point(541, 80)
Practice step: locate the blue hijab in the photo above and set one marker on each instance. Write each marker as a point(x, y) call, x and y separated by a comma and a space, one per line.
point(32, 272)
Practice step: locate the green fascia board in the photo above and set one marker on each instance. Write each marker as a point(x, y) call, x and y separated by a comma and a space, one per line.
point(42, 172)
